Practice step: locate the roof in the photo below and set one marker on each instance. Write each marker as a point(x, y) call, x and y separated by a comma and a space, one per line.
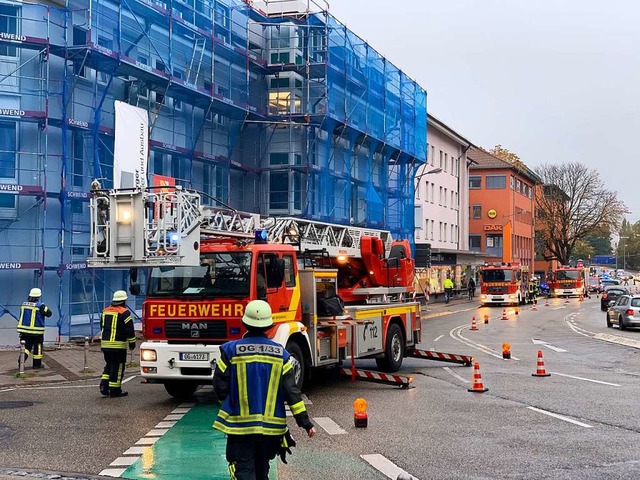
point(447, 130)
point(485, 161)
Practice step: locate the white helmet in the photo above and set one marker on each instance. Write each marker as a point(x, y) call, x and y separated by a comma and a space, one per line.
point(257, 314)
point(35, 292)
point(119, 296)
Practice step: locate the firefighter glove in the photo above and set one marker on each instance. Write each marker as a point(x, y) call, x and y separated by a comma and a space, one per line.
point(286, 443)
point(132, 346)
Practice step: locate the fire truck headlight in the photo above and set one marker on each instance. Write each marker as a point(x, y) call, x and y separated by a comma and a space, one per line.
point(125, 215)
point(148, 355)
point(483, 297)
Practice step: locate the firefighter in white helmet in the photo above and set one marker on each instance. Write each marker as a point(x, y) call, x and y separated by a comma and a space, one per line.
point(253, 378)
point(31, 326)
point(117, 334)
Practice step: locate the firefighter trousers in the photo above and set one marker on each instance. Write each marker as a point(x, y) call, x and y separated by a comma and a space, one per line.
point(111, 380)
point(33, 347)
point(249, 455)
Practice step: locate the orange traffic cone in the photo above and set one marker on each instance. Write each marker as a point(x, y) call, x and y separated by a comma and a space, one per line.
point(581, 298)
point(474, 325)
point(517, 310)
point(486, 319)
point(540, 371)
point(504, 314)
point(534, 308)
point(567, 300)
point(477, 386)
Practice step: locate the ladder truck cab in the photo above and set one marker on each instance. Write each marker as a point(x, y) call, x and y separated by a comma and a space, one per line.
point(569, 281)
point(504, 283)
point(337, 293)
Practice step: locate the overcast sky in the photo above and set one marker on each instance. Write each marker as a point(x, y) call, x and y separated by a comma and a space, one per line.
point(551, 80)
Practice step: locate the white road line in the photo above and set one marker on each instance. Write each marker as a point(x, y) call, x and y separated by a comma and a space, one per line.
point(384, 465)
point(165, 424)
point(555, 349)
point(455, 375)
point(329, 426)
point(457, 335)
point(438, 338)
point(180, 410)
point(173, 416)
point(560, 417)
point(580, 330)
point(156, 432)
point(629, 342)
point(586, 379)
point(112, 472)
point(128, 379)
point(123, 461)
point(42, 387)
point(558, 308)
point(136, 451)
point(147, 441)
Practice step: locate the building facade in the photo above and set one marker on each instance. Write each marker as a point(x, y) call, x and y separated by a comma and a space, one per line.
point(274, 108)
point(441, 210)
point(502, 209)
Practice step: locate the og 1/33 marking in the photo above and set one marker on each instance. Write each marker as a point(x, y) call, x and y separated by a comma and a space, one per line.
point(258, 348)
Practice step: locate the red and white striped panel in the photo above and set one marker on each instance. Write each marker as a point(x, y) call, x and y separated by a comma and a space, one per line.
point(343, 323)
point(444, 357)
point(378, 377)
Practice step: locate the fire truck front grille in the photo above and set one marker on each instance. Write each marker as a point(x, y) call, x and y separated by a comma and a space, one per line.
point(196, 329)
point(496, 289)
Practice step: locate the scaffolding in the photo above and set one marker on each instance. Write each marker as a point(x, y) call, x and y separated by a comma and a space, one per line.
point(271, 107)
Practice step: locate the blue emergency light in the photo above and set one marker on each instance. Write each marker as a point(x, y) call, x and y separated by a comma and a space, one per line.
point(261, 236)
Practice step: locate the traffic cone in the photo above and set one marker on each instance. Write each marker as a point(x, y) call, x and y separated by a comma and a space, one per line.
point(517, 311)
point(474, 325)
point(540, 371)
point(534, 308)
point(581, 298)
point(504, 314)
point(477, 385)
point(567, 300)
point(486, 319)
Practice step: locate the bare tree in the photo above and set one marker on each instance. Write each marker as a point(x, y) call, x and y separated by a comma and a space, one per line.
point(574, 204)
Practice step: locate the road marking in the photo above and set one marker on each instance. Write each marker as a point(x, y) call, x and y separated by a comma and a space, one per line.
point(136, 450)
point(147, 441)
point(560, 417)
point(174, 416)
point(156, 432)
point(629, 342)
point(128, 379)
point(180, 410)
point(586, 379)
point(385, 466)
point(123, 461)
point(329, 426)
point(442, 314)
point(165, 424)
point(558, 308)
point(438, 338)
point(455, 374)
point(456, 334)
point(545, 344)
point(580, 330)
point(113, 472)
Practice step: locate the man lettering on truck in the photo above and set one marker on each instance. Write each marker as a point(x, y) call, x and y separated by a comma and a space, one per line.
point(253, 378)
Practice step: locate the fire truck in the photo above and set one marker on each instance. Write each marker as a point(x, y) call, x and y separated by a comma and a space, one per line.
point(338, 293)
point(504, 283)
point(569, 282)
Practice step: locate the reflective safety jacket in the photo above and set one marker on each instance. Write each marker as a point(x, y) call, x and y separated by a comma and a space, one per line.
point(254, 377)
point(32, 315)
point(117, 328)
point(448, 283)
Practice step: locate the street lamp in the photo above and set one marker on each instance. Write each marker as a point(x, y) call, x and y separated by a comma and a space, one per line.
point(435, 170)
point(624, 253)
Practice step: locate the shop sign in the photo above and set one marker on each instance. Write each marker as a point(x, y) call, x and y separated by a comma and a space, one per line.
point(493, 228)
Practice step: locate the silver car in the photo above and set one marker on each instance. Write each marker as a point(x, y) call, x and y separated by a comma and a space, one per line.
point(625, 312)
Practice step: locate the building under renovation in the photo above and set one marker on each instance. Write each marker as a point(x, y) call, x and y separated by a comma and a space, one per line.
point(269, 107)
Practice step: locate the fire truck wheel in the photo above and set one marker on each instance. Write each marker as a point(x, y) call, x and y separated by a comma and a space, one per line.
point(298, 365)
point(394, 350)
point(181, 390)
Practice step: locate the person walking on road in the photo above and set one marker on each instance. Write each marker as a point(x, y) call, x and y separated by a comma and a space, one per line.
point(448, 289)
point(117, 333)
point(31, 326)
point(253, 378)
point(471, 286)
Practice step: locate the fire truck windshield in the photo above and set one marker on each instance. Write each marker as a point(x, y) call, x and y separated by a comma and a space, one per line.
point(219, 275)
point(567, 275)
point(497, 275)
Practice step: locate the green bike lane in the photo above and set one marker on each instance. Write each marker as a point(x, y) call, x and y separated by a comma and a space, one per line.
point(189, 450)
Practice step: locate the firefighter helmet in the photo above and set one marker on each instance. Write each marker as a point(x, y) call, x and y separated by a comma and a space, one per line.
point(257, 314)
point(35, 293)
point(119, 296)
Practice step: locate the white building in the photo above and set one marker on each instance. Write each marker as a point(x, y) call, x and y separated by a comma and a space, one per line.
point(442, 210)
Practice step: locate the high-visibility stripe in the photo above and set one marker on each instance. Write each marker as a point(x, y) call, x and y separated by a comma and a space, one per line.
point(254, 418)
point(243, 394)
point(114, 324)
point(222, 365)
point(116, 345)
point(287, 366)
point(249, 430)
point(297, 408)
point(244, 359)
point(272, 393)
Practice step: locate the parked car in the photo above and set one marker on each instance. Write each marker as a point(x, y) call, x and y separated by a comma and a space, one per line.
point(594, 284)
point(610, 296)
point(608, 282)
point(625, 312)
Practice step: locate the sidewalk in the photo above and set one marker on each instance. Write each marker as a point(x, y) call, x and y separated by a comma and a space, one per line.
point(65, 362)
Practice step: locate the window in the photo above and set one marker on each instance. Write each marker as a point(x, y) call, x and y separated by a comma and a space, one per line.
point(518, 186)
point(441, 166)
point(512, 183)
point(433, 155)
point(494, 241)
point(452, 237)
point(457, 201)
point(280, 57)
point(525, 189)
point(7, 200)
point(7, 149)
point(278, 190)
point(9, 25)
point(530, 192)
point(278, 159)
point(457, 172)
point(289, 271)
point(79, 38)
point(451, 205)
point(444, 200)
point(475, 182)
point(475, 242)
point(440, 197)
point(280, 37)
point(78, 159)
point(496, 181)
point(446, 161)
point(444, 237)
point(433, 189)
point(477, 211)
point(221, 15)
point(433, 222)
point(158, 163)
point(417, 217)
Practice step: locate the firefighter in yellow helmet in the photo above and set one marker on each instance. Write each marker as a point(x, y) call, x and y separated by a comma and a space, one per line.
point(31, 326)
point(253, 378)
point(117, 334)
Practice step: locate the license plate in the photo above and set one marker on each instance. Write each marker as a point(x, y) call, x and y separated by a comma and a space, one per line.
point(498, 299)
point(195, 356)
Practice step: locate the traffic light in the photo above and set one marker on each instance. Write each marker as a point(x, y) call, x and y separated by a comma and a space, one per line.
point(423, 255)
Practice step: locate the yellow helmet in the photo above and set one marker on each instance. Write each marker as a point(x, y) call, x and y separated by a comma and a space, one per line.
point(35, 292)
point(257, 314)
point(119, 296)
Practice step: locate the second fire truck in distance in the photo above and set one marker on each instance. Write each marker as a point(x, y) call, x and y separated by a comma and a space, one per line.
point(504, 284)
point(337, 292)
point(569, 282)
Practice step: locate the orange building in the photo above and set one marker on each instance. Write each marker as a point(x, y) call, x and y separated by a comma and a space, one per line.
point(501, 209)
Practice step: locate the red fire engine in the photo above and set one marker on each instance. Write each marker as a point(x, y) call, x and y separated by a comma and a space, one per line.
point(568, 282)
point(504, 283)
point(337, 293)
